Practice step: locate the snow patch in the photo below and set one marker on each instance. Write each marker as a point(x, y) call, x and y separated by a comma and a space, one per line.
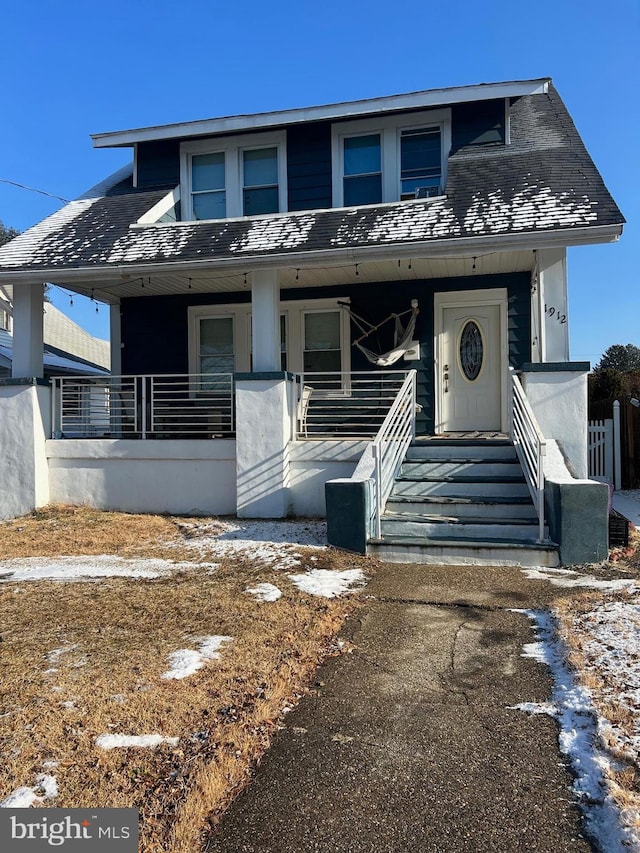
point(45, 788)
point(326, 583)
point(185, 662)
point(569, 579)
point(79, 568)
point(265, 592)
point(134, 741)
point(572, 707)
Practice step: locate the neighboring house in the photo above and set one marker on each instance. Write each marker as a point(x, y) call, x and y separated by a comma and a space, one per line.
point(255, 266)
point(68, 348)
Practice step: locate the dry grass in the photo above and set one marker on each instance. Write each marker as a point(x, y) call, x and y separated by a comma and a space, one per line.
point(113, 638)
point(621, 721)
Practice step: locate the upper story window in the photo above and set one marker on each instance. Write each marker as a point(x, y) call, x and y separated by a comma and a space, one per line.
point(233, 176)
point(391, 158)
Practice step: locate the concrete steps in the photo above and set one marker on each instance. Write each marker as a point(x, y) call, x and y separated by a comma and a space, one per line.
point(462, 501)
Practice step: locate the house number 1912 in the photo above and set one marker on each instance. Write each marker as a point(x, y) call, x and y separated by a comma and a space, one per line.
point(550, 311)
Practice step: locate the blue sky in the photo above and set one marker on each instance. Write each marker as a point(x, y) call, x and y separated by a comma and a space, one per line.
point(70, 69)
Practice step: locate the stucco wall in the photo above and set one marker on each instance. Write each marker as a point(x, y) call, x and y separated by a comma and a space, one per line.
point(175, 476)
point(559, 401)
point(312, 464)
point(24, 423)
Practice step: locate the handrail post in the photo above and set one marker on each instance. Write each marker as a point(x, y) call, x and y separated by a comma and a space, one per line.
point(377, 495)
point(617, 461)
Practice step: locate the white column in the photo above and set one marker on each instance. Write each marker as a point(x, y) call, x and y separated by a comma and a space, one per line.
point(265, 323)
point(28, 315)
point(115, 340)
point(263, 430)
point(552, 280)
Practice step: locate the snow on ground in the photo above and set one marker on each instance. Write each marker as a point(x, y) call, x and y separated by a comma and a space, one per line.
point(570, 579)
point(185, 662)
point(264, 592)
point(579, 723)
point(627, 503)
point(274, 543)
point(328, 584)
point(136, 741)
point(45, 788)
point(80, 568)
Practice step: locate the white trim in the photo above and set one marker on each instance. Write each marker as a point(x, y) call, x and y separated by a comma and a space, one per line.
point(408, 101)
point(232, 148)
point(160, 208)
point(473, 298)
point(293, 312)
point(507, 122)
point(389, 128)
point(135, 165)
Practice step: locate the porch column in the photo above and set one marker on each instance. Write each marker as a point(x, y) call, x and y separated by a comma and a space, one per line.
point(116, 339)
point(554, 319)
point(28, 313)
point(265, 325)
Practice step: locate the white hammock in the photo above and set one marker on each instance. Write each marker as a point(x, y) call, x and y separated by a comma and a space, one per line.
point(402, 336)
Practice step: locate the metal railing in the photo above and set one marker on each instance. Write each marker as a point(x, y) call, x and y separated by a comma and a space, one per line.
point(530, 446)
point(390, 447)
point(167, 406)
point(344, 405)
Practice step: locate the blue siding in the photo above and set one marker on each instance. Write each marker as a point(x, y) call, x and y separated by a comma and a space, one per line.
point(159, 164)
point(477, 123)
point(155, 334)
point(309, 166)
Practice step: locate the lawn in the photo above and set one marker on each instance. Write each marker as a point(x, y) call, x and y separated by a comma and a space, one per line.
point(156, 636)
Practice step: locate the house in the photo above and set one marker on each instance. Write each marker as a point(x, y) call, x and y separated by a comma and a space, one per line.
point(68, 348)
point(357, 310)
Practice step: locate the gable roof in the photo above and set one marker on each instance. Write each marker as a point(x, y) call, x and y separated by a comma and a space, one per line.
point(542, 183)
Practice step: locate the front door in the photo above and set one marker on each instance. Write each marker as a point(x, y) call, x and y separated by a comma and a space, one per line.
point(470, 368)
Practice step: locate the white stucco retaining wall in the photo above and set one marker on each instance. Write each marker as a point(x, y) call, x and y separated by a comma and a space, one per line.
point(185, 477)
point(25, 413)
point(312, 464)
point(559, 402)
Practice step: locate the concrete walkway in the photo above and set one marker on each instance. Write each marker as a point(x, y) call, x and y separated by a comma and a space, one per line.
point(408, 743)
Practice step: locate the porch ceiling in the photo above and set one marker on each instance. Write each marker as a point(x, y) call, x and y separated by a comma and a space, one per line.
point(170, 283)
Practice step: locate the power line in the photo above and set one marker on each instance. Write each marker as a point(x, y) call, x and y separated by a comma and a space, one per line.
point(33, 190)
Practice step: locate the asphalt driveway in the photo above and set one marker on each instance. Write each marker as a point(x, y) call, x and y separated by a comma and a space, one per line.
point(409, 743)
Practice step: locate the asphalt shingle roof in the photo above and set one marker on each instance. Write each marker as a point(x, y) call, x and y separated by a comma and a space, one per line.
point(543, 181)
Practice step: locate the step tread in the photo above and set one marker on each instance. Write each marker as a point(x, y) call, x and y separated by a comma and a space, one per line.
point(458, 519)
point(518, 544)
point(460, 478)
point(462, 499)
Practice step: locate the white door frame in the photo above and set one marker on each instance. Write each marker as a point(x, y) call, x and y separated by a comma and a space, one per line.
point(455, 299)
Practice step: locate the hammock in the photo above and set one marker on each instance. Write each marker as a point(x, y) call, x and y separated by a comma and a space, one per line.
point(402, 337)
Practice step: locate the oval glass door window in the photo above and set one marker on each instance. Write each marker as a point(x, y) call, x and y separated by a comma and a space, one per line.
point(471, 350)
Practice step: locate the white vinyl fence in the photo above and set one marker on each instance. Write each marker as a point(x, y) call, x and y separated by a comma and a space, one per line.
point(604, 449)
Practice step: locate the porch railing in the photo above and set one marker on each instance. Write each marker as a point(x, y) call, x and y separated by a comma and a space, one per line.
point(167, 406)
point(390, 446)
point(345, 405)
point(530, 446)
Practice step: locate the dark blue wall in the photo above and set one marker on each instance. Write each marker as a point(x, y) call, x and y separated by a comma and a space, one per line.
point(155, 333)
point(309, 153)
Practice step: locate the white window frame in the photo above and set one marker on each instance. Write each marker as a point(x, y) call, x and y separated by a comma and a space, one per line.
point(232, 147)
point(293, 311)
point(390, 129)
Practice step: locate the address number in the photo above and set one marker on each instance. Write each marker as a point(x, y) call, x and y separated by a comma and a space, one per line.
point(550, 311)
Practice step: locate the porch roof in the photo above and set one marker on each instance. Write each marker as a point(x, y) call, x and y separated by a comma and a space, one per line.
point(542, 183)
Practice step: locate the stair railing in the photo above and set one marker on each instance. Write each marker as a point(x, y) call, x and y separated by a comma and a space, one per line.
point(530, 446)
point(390, 446)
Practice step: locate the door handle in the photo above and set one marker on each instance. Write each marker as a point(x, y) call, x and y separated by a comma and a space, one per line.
point(446, 381)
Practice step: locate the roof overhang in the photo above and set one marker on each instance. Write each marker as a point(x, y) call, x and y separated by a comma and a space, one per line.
point(86, 279)
point(346, 110)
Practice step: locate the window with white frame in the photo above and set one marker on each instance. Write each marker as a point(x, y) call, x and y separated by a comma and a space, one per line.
point(314, 337)
point(233, 176)
point(390, 158)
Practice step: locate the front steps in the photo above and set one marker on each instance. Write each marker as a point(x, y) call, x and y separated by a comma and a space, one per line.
point(462, 502)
